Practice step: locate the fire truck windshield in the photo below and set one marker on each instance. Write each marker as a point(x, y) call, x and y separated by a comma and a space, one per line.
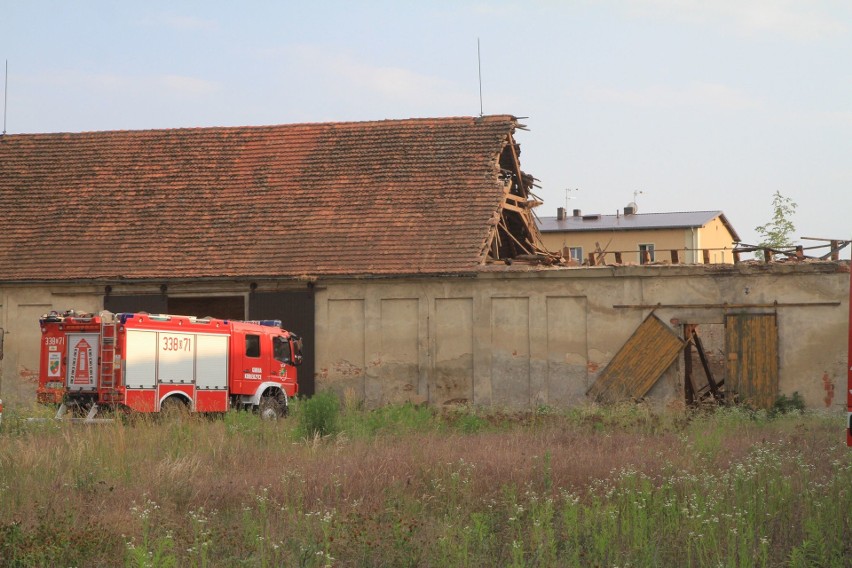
point(281, 349)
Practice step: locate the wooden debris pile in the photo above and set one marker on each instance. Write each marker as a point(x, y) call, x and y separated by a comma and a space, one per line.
point(514, 235)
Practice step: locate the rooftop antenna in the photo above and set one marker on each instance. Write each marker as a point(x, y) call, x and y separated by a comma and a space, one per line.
point(5, 96)
point(567, 191)
point(633, 205)
point(479, 66)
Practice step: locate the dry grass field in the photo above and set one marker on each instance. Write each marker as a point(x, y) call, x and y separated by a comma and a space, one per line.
point(405, 486)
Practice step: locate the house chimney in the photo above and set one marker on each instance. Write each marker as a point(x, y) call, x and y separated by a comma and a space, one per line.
point(560, 213)
point(577, 213)
point(628, 210)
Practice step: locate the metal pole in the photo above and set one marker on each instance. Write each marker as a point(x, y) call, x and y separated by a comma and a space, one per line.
point(479, 67)
point(5, 95)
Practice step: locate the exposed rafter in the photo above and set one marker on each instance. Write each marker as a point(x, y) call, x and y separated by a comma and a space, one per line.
point(516, 234)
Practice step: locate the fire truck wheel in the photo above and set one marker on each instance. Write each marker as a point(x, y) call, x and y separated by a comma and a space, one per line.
point(173, 407)
point(272, 407)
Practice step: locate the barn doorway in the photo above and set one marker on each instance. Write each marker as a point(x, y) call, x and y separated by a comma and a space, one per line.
point(704, 363)
point(221, 307)
point(295, 309)
point(732, 362)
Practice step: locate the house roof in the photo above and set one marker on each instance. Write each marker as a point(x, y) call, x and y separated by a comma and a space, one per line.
point(635, 222)
point(411, 196)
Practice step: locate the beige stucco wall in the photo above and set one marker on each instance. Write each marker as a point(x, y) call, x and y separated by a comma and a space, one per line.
point(689, 242)
point(20, 308)
point(523, 339)
point(513, 338)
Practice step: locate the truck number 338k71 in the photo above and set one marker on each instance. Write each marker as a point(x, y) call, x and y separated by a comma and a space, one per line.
point(148, 363)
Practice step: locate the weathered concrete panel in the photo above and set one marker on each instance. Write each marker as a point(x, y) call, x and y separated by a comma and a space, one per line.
point(452, 379)
point(23, 348)
point(510, 352)
point(345, 372)
point(399, 367)
point(567, 377)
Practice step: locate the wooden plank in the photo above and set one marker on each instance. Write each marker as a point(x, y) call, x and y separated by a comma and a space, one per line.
point(511, 236)
point(726, 306)
point(651, 349)
point(751, 343)
point(514, 208)
point(514, 197)
point(517, 164)
point(688, 382)
point(711, 382)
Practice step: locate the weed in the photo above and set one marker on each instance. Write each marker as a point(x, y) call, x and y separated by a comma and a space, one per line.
point(784, 404)
point(319, 415)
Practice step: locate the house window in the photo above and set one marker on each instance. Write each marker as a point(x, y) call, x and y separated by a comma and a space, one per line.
point(576, 253)
point(646, 253)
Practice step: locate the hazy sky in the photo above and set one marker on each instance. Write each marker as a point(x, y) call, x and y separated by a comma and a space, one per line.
point(700, 105)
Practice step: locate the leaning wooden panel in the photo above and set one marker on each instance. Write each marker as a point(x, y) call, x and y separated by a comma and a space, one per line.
point(639, 363)
point(751, 342)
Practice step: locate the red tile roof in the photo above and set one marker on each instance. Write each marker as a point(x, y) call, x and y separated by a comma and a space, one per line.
point(388, 197)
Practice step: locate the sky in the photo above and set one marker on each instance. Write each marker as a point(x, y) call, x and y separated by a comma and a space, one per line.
point(676, 105)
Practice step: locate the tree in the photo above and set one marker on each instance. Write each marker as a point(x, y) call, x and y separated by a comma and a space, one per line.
point(776, 234)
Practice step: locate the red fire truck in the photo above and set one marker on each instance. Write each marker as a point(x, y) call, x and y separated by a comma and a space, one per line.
point(152, 362)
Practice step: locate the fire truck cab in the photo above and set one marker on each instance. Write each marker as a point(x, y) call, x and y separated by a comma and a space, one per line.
point(152, 362)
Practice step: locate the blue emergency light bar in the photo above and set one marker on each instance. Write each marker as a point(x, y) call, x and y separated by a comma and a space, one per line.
point(268, 323)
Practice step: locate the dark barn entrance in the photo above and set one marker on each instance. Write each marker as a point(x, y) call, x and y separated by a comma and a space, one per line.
point(221, 307)
point(295, 309)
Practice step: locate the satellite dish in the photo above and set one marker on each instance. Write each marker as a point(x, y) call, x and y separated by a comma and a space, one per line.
point(633, 206)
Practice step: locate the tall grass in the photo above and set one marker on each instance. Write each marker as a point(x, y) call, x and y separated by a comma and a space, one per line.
point(406, 486)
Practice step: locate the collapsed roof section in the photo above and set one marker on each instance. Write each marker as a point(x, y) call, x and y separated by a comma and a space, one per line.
point(515, 234)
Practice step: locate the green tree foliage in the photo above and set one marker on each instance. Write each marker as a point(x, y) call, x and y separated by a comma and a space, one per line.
point(776, 234)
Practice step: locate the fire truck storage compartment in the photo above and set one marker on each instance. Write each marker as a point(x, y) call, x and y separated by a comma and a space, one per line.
point(81, 372)
point(176, 358)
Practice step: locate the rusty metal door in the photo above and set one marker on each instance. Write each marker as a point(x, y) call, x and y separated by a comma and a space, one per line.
point(651, 349)
point(751, 342)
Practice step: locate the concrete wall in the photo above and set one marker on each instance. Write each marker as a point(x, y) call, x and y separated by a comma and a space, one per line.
point(510, 337)
point(523, 339)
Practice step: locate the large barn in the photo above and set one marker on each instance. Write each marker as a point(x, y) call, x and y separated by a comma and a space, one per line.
point(404, 251)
